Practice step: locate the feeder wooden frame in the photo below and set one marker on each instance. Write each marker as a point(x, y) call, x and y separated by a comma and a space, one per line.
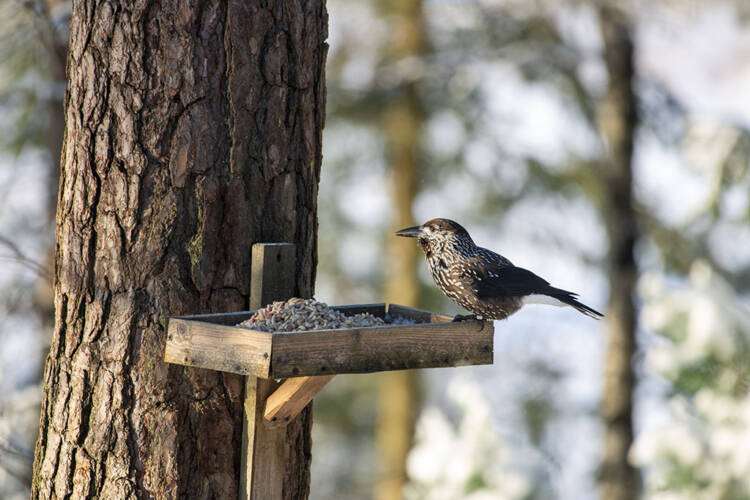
point(309, 360)
point(212, 341)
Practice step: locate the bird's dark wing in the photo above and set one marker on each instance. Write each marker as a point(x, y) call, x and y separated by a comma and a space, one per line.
point(498, 282)
point(495, 281)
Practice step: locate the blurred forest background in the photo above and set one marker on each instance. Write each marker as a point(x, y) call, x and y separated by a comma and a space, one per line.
point(604, 145)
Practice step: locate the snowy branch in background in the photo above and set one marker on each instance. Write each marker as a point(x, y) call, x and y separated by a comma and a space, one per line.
point(463, 459)
point(704, 451)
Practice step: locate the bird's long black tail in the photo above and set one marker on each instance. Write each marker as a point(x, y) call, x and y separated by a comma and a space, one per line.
point(571, 299)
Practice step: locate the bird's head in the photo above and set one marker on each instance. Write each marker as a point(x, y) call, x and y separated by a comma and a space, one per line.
point(439, 234)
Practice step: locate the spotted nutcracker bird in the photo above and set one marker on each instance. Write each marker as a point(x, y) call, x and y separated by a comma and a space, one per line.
point(477, 279)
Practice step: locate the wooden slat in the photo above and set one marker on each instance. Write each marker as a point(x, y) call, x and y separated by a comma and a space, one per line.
point(263, 447)
point(272, 277)
point(291, 398)
point(218, 347)
point(228, 319)
point(418, 314)
point(263, 461)
point(367, 350)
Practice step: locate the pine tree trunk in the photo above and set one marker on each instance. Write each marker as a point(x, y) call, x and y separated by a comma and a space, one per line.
point(618, 479)
point(402, 125)
point(192, 131)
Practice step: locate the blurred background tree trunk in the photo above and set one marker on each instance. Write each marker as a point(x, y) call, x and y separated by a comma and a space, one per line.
point(402, 125)
point(618, 120)
point(57, 47)
point(178, 120)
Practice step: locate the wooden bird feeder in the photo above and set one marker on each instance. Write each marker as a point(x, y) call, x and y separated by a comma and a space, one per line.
point(307, 361)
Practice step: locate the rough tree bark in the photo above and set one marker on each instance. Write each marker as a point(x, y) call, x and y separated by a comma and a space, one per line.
point(618, 479)
point(192, 131)
point(403, 119)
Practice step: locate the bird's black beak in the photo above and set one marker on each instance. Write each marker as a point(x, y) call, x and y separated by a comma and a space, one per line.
point(410, 232)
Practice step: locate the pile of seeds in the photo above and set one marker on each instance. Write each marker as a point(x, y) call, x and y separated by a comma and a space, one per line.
point(305, 314)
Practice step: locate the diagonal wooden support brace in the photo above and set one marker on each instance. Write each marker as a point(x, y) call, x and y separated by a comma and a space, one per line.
point(291, 397)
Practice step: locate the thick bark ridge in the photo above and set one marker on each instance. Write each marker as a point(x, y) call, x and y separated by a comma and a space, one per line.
point(192, 131)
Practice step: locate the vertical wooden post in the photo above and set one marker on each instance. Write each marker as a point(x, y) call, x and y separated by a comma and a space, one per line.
point(263, 453)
